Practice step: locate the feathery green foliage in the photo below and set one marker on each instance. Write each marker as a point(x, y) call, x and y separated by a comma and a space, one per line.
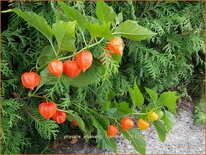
point(171, 60)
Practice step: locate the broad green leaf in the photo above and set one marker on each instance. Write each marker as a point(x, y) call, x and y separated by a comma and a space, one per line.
point(91, 19)
point(57, 14)
point(74, 15)
point(109, 142)
point(161, 130)
point(111, 111)
point(88, 77)
point(106, 106)
point(131, 93)
point(119, 18)
point(168, 119)
point(65, 35)
point(143, 110)
point(124, 107)
point(104, 13)
point(110, 96)
point(150, 107)
point(138, 97)
point(97, 30)
point(168, 99)
point(131, 30)
point(118, 114)
point(46, 77)
point(152, 94)
point(78, 119)
point(36, 21)
point(159, 112)
point(136, 139)
point(45, 56)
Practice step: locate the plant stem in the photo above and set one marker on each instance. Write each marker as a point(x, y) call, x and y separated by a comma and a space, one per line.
point(140, 113)
point(41, 67)
point(67, 57)
point(53, 48)
point(83, 37)
point(5, 11)
point(37, 96)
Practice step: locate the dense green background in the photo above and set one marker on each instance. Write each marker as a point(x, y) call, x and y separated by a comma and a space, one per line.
point(172, 60)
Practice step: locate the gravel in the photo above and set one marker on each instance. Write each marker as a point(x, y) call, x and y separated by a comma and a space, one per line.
point(185, 138)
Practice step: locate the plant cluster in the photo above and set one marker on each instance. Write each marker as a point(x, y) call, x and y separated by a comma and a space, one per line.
point(88, 101)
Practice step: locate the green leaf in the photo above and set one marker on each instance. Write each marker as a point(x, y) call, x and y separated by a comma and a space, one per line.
point(36, 21)
point(124, 107)
point(46, 56)
point(119, 18)
point(110, 96)
point(106, 106)
point(97, 30)
point(65, 35)
point(143, 110)
point(138, 97)
point(161, 130)
point(169, 120)
point(131, 30)
point(109, 142)
point(136, 139)
point(159, 112)
point(104, 13)
point(74, 15)
point(78, 119)
point(168, 99)
point(111, 111)
point(46, 77)
point(152, 94)
point(131, 93)
point(88, 77)
point(150, 106)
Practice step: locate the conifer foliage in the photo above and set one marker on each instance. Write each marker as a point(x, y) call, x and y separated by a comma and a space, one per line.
point(109, 48)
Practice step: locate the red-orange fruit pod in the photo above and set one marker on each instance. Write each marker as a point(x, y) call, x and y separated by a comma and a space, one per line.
point(127, 123)
point(112, 131)
point(115, 46)
point(59, 117)
point(47, 109)
point(30, 80)
point(55, 67)
point(84, 60)
point(71, 68)
point(74, 123)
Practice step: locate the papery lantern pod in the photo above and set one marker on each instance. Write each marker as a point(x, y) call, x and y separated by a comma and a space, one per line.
point(142, 124)
point(30, 80)
point(84, 60)
point(74, 123)
point(59, 116)
point(55, 67)
point(47, 109)
point(115, 46)
point(127, 123)
point(112, 131)
point(71, 68)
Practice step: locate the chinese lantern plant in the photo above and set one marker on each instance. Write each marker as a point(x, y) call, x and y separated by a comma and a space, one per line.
point(159, 112)
point(63, 63)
